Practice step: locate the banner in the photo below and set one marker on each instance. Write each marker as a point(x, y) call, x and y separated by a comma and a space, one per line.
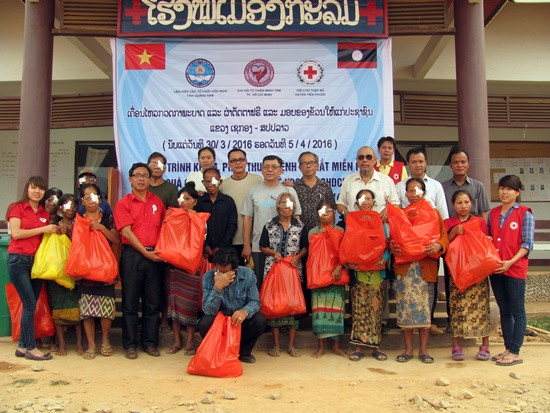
point(279, 97)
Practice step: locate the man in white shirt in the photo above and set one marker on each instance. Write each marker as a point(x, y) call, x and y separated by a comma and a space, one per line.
point(417, 161)
point(367, 178)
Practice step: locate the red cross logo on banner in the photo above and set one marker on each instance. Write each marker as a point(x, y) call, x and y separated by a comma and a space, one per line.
point(136, 12)
point(371, 12)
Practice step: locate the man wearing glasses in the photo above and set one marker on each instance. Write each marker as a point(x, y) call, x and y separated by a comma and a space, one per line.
point(367, 178)
point(259, 207)
point(237, 187)
point(138, 217)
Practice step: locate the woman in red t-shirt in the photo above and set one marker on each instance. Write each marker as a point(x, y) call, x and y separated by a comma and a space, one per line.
point(28, 220)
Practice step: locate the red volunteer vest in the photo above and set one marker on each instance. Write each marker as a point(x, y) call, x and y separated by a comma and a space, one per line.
point(395, 171)
point(507, 239)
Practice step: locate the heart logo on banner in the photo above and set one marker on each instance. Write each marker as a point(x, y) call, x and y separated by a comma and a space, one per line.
point(259, 71)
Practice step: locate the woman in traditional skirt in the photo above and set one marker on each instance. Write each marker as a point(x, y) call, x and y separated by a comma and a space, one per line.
point(470, 308)
point(283, 236)
point(184, 288)
point(97, 299)
point(328, 303)
point(414, 284)
point(367, 297)
point(64, 302)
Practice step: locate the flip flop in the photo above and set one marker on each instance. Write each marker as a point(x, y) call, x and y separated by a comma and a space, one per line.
point(500, 356)
point(508, 361)
point(379, 355)
point(483, 354)
point(457, 353)
point(426, 359)
point(190, 351)
point(403, 358)
point(274, 352)
point(294, 352)
point(356, 356)
point(106, 350)
point(173, 349)
point(89, 355)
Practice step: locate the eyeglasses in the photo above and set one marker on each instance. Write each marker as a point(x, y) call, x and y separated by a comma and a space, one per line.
point(237, 160)
point(309, 163)
point(138, 176)
point(270, 167)
point(368, 157)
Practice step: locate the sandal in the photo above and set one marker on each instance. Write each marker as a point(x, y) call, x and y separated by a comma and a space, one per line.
point(379, 355)
point(426, 358)
point(294, 352)
point(106, 350)
point(173, 349)
point(356, 356)
point(89, 355)
point(483, 354)
point(500, 356)
point(508, 361)
point(403, 358)
point(457, 353)
point(190, 351)
point(274, 352)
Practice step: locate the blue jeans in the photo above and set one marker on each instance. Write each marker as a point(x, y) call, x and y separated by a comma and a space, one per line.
point(510, 296)
point(19, 269)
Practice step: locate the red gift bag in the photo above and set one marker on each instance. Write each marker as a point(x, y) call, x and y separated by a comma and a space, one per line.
point(323, 258)
point(90, 256)
point(471, 256)
point(281, 294)
point(204, 267)
point(43, 321)
point(364, 242)
point(413, 229)
point(218, 353)
point(181, 238)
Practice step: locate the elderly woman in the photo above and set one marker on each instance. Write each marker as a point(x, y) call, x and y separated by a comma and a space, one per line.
point(184, 288)
point(367, 296)
point(97, 299)
point(415, 284)
point(28, 220)
point(469, 309)
point(328, 303)
point(283, 236)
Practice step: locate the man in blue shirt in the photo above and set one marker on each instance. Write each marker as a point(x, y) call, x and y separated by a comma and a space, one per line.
point(232, 289)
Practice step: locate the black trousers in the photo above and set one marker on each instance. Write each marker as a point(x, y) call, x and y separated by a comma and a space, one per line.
point(259, 266)
point(141, 279)
point(251, 330)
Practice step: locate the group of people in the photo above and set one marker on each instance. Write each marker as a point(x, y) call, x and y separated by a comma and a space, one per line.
point(256, 221)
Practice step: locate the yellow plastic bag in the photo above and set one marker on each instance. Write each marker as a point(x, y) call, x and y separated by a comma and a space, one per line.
point(50, 260)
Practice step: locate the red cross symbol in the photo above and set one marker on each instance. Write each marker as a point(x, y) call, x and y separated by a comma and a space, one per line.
point(136, 12)
point(371, 12)
point(310, 72)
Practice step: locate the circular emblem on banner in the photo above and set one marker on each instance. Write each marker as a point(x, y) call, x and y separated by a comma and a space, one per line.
point(259, 72)
point(396, 176)
point(310, 72)
point(514, 225)
point(200, 73)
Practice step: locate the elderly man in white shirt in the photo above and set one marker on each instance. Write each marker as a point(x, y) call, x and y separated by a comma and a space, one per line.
point(367, 178)
point(417, 161)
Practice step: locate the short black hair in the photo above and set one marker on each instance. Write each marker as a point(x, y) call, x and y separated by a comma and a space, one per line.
point(456, 150)
point(210, 170)
point(157, 155)
point(386, 139)
point(272, 158)
point(139, 165)
point(510, 181)
point(460, 192)
point(418, 180)
point(416, 151)
point(225, 256)
point(190, 189)
point(358, 195)
point(85, 186)
point(235, 150)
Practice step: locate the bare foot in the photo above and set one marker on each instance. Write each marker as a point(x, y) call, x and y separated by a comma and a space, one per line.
point(61, 351)
point(52, 347)
point(318, 353)
point(340, 352)
point(79, 350)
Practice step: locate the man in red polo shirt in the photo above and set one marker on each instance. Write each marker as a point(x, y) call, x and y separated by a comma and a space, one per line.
point(138, 217)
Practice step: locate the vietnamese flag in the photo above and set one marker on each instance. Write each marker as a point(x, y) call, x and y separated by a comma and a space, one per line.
point(357, 55)
point(145, 56)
